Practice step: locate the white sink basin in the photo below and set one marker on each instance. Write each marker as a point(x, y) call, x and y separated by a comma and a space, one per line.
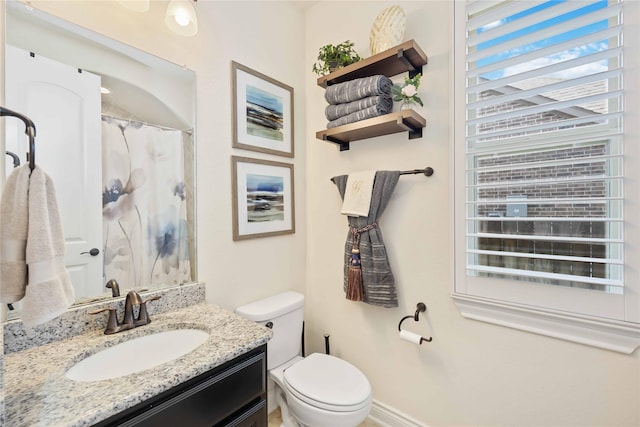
point(137, 354)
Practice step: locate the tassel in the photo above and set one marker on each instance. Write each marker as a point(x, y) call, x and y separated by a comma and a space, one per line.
point(355, 291)
point(355, 287)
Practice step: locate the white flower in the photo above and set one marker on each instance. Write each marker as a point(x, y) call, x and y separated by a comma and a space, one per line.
point(409, 90)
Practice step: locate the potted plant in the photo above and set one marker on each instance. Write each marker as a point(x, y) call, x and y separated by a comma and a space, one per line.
point(332, 57)
point(407, 93)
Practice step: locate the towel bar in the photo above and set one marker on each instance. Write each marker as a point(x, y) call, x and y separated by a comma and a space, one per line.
point(428, 171)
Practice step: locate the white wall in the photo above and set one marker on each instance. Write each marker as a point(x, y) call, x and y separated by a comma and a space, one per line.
point(472, 373)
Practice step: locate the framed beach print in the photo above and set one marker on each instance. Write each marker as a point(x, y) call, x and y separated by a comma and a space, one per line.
point(263, 203)
point(262, 112)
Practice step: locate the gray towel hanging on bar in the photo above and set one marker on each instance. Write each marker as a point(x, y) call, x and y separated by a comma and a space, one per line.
point(377, 279)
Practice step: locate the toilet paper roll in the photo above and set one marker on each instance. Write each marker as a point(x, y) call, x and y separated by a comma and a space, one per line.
point(411, 337)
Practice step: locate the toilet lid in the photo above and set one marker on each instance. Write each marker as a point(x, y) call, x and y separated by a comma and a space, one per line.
point(328, 382)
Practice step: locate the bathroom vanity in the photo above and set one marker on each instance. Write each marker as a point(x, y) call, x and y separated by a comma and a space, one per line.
point(233, 394)
point(220, 383)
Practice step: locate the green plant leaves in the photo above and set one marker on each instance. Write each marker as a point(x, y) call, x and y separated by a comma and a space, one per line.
point(339, 55)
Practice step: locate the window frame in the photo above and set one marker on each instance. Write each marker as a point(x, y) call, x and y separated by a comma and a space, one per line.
point(598, 319)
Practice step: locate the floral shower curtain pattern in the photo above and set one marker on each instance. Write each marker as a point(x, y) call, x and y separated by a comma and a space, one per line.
point(146, 242)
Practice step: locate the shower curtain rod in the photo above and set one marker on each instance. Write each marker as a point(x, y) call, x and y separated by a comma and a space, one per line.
point(30, 130)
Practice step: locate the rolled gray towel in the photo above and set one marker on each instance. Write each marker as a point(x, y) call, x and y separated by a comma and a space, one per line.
point(367, 113)
point(353, 90)
point(335, 111)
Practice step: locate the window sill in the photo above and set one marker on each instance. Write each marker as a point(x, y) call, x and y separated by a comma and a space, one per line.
point(623, 337)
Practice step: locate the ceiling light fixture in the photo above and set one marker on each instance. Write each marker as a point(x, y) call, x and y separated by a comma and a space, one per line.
point(181, 17)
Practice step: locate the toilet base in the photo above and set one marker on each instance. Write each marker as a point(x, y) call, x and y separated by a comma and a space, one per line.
point(310, 416)
point(296, 413)
point(281, 401)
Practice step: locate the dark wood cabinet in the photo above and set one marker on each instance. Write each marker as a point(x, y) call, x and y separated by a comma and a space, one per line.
point(230, 395)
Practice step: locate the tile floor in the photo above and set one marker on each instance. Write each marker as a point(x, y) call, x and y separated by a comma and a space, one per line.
point(275, 420)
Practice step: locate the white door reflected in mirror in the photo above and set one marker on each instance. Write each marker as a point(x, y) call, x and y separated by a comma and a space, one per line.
point(37, 87)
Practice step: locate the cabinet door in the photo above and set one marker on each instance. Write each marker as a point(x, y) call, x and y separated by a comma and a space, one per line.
point(256, 416)
point(210, 402)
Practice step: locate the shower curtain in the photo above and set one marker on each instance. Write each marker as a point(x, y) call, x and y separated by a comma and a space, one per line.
point(146, 242)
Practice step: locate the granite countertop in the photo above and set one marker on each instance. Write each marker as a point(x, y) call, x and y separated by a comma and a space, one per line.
point(37, 393)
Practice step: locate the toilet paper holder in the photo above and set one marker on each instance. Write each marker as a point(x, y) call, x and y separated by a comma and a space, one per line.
point(420, 308)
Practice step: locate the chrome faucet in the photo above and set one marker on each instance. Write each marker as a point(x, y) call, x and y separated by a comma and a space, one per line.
point(129, 320)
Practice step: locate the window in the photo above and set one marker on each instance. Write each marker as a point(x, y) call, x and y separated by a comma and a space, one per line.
point(545, 180)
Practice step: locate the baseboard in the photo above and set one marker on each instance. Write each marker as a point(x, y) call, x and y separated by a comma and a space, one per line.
point(381, 414)
point(389, 417)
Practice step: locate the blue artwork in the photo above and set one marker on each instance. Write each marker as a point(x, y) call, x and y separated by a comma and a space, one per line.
point(264, 114)
point(265, 198)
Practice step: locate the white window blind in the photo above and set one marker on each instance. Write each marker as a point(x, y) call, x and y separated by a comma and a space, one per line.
point(543, 143)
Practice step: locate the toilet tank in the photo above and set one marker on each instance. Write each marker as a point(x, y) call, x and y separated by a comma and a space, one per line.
point(286, 312)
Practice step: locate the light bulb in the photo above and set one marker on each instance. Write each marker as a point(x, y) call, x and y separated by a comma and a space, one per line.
point(181, 17)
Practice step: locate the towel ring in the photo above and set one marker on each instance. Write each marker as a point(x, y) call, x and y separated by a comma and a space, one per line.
point(420, 308)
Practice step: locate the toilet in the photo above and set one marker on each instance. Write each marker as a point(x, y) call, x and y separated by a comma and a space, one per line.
point(314, 391)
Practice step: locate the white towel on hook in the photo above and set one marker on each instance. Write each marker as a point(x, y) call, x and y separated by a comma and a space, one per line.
point(14, 222)
point(48, 291)
point(357, 194)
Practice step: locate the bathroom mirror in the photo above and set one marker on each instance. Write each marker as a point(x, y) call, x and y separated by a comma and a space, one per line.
point(115, 131)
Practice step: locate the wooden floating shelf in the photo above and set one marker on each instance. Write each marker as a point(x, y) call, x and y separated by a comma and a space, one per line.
point(400, 121)
point(404, 57)
point(407, 56)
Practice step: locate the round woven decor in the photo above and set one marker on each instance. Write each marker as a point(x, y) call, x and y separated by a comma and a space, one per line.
point(388, 29)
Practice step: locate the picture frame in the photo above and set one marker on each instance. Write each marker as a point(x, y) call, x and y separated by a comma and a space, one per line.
point(263, 198)
point(262, 112)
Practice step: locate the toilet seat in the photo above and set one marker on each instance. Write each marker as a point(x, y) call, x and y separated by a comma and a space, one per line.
point(326, 382)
